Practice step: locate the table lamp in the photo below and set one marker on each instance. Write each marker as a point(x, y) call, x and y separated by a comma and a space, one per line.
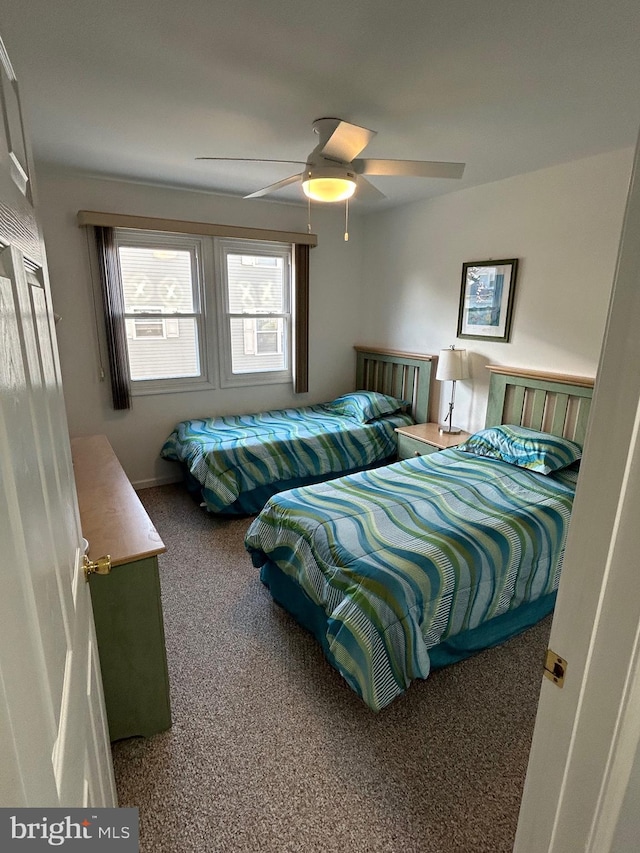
point(452, 365)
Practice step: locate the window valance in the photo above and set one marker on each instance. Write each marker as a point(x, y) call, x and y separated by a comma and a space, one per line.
point(151, 223)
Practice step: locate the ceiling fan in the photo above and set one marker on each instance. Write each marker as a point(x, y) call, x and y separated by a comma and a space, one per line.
point(333, 171)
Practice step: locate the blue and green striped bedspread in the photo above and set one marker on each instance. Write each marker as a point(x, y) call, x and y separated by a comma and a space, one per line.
point(231, 456)
point(402, 557)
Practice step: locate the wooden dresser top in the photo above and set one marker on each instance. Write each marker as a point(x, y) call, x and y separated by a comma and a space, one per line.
point(113, 519)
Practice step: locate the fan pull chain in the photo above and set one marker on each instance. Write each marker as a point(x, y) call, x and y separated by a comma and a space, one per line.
point(346, 220)
point(308, 215)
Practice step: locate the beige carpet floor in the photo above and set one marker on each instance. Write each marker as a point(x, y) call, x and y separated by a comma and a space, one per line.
point(271, 751)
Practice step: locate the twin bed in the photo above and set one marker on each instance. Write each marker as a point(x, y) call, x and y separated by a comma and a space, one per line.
point(233, 464)
point(421, 563)
point(398, 568)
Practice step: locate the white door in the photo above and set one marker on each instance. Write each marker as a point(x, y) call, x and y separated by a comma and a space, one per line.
point(583, 782)
point(54, 747)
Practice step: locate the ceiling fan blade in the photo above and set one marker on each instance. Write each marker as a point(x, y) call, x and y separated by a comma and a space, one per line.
point(409, 168)
point(366, 191)
point(346, 141)
point(273, 187)
point(251, 160)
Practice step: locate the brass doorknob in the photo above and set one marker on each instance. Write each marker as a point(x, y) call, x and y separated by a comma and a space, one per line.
point(102, 566)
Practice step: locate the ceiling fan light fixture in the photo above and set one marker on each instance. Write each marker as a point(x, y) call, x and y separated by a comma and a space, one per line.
point(325, 186)
point(333, 171)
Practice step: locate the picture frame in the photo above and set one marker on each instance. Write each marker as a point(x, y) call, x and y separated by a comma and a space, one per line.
point(486, 299)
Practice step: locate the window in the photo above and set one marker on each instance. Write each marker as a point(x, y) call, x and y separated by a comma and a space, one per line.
point(267, 336)
point(146, 327)
point(254, 280)
point(163, 290)
point(171, 285)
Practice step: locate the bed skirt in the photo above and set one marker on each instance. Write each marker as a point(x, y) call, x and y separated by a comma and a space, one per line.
point(311, 616)
point(251, 502)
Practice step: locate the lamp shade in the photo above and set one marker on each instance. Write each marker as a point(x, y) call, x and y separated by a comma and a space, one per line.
point(328, 182)
point(452, 365)
point(329, 188)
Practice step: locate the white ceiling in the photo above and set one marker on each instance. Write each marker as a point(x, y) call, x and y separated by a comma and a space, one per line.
point(138, 88)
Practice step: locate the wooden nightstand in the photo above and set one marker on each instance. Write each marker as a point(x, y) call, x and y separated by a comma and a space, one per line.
point(420, 439)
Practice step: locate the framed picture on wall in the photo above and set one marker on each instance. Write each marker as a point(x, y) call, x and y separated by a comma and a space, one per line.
point(486, 299)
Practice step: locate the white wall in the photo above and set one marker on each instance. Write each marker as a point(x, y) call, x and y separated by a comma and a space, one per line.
point(562, 223)
point(138, 434)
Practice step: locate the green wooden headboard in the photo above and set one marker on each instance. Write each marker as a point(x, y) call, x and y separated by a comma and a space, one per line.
point(404, 375)
point(552, 402)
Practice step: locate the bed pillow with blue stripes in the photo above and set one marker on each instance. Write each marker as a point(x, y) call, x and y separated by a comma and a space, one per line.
point(527, 448)
point(366, 406)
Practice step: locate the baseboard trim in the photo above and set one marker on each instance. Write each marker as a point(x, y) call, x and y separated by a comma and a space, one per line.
point(155, 481)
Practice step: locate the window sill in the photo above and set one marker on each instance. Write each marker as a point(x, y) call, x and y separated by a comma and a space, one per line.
point(174, 387)
point(245, 380)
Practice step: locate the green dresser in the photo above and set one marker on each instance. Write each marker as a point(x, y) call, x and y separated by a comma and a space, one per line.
point(126, 602)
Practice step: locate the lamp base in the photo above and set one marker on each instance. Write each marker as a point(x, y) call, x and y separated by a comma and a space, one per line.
point(445, 429)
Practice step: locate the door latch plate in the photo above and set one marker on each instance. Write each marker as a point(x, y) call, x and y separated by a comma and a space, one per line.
point(555, 667)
